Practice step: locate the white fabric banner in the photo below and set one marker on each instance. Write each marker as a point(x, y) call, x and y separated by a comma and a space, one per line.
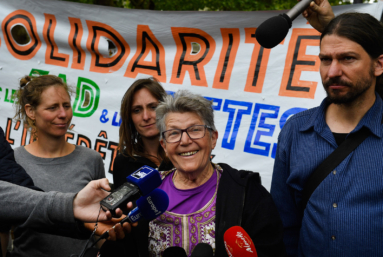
point(101, 51)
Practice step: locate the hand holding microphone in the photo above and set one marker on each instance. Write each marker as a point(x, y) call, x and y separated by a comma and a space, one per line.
point(238, 243)
point(148, 207)
point(139, 183)
point(272, 31)
point(319, 14)
point(116, 230)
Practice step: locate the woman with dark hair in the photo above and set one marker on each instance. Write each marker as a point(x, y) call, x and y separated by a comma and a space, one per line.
point(139, 145)
point(43, 103)
point(139, 137)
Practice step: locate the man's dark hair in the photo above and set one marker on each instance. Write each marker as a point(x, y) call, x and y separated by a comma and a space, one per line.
point(363, 29)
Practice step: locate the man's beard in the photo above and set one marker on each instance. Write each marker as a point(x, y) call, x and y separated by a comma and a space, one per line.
point(355, 90)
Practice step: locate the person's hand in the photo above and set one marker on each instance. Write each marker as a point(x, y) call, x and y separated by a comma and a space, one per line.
point(319, 14)
point(116, 231)
point(86, 204)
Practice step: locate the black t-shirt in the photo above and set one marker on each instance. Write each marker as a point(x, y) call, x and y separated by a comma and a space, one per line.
point(340, 137)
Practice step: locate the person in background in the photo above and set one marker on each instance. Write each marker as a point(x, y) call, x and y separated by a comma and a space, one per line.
point(343, 216)
point(139, 145)
point(43, 103)
point(139, 137)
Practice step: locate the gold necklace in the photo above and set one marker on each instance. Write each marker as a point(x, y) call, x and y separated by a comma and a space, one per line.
point(174, 177)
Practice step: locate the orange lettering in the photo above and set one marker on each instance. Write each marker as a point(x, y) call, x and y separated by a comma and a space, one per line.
point(225, 66)
point(52, 55)
point(25, 19)
point(113, 147)
point(258, 63)
point(297, 61)
point(74, 42)
point(24, 136)
point(147, 43)
point(186, 60)
point(100, 144)
point(81, 139)
point(68, 135)
point(116, 55)
point(8, 132)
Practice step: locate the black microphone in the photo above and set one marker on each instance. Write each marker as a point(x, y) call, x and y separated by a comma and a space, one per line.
point(140, 183)
point(148, 207)
point(174, 251)
point(202, 250)
point(272, 31)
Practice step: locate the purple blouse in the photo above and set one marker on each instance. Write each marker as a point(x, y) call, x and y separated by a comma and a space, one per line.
point(189, 200)
point(190, 218)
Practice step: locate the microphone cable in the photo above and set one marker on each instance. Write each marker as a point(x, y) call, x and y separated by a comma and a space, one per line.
point(103, 236)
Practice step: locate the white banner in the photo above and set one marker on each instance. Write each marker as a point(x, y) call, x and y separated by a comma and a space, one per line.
point(101, 51)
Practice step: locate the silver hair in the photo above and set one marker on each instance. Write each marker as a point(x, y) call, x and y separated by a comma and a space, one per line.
point(185, 101)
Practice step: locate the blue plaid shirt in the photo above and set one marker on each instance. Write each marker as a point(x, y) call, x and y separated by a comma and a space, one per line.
point(344, 216)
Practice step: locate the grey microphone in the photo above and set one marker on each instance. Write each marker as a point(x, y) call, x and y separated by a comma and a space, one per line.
point(298, 9)
point(272, 31)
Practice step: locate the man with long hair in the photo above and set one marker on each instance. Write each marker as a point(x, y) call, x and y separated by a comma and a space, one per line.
point(344, 215)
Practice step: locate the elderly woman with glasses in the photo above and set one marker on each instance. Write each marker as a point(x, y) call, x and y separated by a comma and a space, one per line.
point(206, 199)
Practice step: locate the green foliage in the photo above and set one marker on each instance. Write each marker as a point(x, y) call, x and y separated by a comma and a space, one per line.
point(207, 5)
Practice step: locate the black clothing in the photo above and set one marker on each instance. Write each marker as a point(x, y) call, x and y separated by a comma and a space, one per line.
point(10, 171)
point(340, 137)
point(125, 165)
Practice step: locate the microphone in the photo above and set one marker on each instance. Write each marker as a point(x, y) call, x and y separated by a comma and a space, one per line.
point(148, 207)
point(238, 243)
point(139, 183)
point(202, 250)
point(272, 31)
point(174, 251)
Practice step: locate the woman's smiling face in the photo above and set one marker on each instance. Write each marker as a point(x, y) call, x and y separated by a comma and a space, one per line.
point(189, 155)
point(54, 113)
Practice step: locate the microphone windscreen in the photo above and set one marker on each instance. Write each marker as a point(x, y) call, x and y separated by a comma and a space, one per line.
point(174, 251)
point(154, 204)
point(272, 31)
point(238, 243)
point(146, 179)
point(202, 250)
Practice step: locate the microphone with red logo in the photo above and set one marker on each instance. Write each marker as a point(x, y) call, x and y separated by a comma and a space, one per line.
point(238, 243)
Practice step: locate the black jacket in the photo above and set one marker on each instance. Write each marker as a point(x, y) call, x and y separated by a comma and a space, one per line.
point(241, 201)
point(10, 171)
point(125, 165)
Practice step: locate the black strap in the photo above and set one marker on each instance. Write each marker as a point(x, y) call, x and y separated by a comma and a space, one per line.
point(331, 162)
